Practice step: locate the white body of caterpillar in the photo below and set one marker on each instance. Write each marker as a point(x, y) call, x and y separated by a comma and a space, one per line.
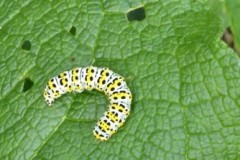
point(102, 79)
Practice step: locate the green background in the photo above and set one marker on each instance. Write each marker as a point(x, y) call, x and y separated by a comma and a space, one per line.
point(184, 80)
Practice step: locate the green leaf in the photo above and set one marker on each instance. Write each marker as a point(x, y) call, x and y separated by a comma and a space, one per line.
point(218, 8)
point(233, 10)
point(184, 80)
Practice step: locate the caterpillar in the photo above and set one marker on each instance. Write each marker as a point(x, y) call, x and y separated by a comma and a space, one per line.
point(103, 80)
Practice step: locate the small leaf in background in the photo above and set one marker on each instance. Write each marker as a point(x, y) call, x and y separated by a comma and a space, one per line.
point(233, 10)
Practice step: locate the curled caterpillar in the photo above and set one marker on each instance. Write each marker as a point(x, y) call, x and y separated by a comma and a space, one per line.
point(101, 79)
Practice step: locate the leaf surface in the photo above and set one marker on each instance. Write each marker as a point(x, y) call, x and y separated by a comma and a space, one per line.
point(184, 80)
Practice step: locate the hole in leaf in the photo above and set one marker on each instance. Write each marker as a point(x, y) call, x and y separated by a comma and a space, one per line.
point(73, 30)
point(136, 14)
point(28, 83)
point(26, 45)
point(72, 59)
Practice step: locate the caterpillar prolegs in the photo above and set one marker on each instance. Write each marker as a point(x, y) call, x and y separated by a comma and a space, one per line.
point(101, 79)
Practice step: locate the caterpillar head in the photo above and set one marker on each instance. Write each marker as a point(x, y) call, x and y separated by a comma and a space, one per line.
point(48, 96)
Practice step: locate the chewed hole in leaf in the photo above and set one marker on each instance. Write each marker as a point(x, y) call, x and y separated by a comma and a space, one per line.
point(136, 14)
point(72, 59)
point(26, 45)
point(28, 83)
point(73, 30)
